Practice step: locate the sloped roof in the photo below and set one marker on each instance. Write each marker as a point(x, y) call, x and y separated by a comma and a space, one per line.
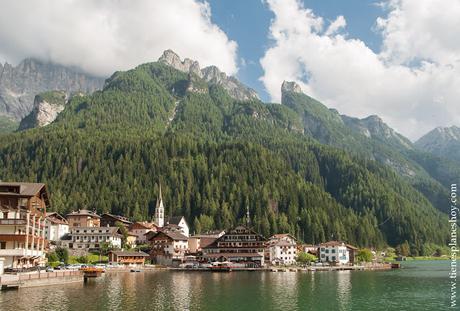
point(56, 218)
point(25, 188)
point(175, 220)
point(119, 218)
point(143, 225)
point(83, 212)
point(332, 243)
point(175, 235)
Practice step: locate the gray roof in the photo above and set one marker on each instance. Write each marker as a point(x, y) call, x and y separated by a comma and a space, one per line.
point(25, 188)
point(175, 220)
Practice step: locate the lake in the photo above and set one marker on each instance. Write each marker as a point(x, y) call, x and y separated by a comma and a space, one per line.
point(420, 285)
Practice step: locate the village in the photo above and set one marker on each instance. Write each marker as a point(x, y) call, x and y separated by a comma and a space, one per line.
point(30, 236)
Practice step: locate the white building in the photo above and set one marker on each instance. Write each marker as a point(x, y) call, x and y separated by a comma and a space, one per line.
point(334, 252)
point(160, 212)
point(92, 237)
point(282, 249)
point(56, 226)
point(179, 223)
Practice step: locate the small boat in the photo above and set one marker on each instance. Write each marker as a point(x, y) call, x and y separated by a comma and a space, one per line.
point(225, 266)
point(135, 270)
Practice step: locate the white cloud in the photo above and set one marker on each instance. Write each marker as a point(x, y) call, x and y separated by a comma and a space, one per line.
point(104, 36)
point(347, 75)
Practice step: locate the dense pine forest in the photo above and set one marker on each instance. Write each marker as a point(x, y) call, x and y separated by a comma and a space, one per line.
point(215, 157)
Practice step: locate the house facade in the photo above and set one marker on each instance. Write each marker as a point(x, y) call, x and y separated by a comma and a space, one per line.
point(23, 207)
point(282, 249)
point(334, 252)
point(83, 218)
point(239, 245)
point(92, 237)
point(127, 258)
point(56, 227)
point(198, 241)
point(167, 246)
point(140, 230)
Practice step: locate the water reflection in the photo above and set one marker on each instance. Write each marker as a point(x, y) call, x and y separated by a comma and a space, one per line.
point(286, 286)
point(344, 290)
point(417, 289)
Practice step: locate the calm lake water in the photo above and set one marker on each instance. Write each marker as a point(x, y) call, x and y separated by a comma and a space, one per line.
point(421, 285)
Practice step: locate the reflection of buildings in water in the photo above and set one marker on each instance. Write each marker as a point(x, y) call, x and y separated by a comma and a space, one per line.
point(182, 286)
point(114, 291)
point(344, 289)
point(286, 287)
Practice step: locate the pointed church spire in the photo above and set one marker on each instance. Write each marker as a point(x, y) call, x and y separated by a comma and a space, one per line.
point(248, 217)
point(160, 211)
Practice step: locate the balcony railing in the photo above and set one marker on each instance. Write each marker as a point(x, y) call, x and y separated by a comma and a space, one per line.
point(20, 252)
point(12, 222)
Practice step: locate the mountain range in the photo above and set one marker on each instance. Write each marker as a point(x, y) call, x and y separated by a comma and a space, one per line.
point(19, 85)
point(217, 149)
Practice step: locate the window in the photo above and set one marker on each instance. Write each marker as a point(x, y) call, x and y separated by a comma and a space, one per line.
point(2, 245)
point(333, 258)
point(333, 251)
point(327, 251)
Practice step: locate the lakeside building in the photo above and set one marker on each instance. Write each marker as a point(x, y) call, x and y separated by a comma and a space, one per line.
point(198, 241)
point(23, 207)
point(334, 252)
point(127, 257)
point(167, 247)
point(56, 227)
point(83, 218)
point(140, 229)
point(110, 220)
point(88, 238)
point(352, 252)
point(239, 245)
point(282, 249)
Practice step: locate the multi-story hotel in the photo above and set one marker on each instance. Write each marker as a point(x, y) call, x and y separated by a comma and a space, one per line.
point(240, 245)
point(22, 224)
point(88, 238)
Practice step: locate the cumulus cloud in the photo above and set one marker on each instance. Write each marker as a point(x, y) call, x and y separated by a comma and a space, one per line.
point(103, 36)
point(413, 83)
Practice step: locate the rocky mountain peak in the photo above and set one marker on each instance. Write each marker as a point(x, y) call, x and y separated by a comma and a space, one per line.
point(170, 58)
point(443, 142)
point(19, 84)
point(290, 86)
point(211, 74)
point(45, 110)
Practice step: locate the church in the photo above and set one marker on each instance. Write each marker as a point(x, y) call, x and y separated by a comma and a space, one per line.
point(176, 223)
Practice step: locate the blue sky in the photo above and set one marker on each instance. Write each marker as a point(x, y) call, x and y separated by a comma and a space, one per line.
point(247, 22)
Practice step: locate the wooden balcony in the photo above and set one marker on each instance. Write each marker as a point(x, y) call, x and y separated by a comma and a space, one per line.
point(19, 237)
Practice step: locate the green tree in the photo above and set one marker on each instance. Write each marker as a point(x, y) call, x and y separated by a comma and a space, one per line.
point(305, 258)
point(364, 255)
point(62, 254)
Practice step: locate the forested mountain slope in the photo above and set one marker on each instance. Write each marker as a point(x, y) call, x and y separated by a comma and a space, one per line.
point(215, 156)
